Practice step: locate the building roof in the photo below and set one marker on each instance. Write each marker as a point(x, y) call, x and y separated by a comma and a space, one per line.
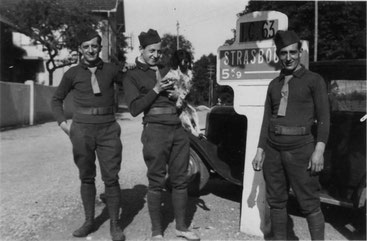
point(93, 5)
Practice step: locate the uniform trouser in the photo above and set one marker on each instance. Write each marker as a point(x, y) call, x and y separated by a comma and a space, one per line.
point(284, 169)
point(103, 140)
point(166, 145)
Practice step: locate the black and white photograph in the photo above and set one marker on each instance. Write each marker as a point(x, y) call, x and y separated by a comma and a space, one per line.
point(153, 120)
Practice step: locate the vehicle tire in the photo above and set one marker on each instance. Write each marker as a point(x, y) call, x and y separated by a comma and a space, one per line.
point(359, 195)
point(197, 175)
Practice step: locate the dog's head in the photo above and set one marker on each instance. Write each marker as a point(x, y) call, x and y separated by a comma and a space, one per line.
point(181, 59)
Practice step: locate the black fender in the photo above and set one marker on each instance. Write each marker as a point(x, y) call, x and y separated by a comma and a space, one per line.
point(208, 153)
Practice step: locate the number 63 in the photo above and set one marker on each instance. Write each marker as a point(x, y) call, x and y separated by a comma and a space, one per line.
point(268, 29)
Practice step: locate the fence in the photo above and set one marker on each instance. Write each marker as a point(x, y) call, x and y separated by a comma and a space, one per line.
point(27, 104)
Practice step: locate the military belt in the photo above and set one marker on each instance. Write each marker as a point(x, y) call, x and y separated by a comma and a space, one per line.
point(95, 110)
point(290, 130)
point(161, 110)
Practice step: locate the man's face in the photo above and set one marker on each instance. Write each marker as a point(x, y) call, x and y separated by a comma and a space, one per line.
point(151, 53)
point(290, 57)
point(90, 50)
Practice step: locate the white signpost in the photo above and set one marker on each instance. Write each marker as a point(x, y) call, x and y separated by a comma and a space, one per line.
point(248, 65)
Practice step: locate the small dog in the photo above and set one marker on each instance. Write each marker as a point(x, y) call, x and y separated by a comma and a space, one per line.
point(181, 75)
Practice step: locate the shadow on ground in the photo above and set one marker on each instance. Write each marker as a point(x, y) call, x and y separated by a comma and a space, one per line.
point(222, 188)
point(132, 201)
point(351, 223)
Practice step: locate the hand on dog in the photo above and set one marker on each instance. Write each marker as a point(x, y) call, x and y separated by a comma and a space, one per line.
point(162, 85)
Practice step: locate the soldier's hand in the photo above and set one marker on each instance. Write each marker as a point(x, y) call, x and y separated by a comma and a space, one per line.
point(128, 66)
point(316, 163)
point(65, 127)
point(162, 85)
point(257, 162)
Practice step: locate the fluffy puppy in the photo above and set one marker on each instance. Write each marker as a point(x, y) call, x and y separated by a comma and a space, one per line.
point(181, 76)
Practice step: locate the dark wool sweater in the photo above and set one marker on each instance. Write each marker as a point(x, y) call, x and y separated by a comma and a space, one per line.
point(307, 103)
point(77, 81)
point(138, 86)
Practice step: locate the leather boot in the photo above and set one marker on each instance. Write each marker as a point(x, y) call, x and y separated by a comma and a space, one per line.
point(179, 202)
point(88, 195)
point(316, 225)
point(279, 219)
point(154, 207)
point(113, 201)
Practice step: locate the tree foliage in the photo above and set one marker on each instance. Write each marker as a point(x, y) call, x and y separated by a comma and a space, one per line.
point(199, 94)
point(341, 25)
point(119, 57)
point(53, 25)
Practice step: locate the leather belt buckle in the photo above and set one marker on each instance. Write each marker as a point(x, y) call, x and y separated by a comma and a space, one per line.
point(277, 130)
point(94, 111)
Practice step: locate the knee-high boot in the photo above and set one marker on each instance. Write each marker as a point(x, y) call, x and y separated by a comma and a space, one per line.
point(88, 195)
point(279, 219)
point(154, 207)
point(179, 202)
point(316, 225)
point(113, 202)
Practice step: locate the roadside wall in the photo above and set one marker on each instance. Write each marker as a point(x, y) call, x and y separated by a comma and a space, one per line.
point(14, 104)
point(27, 104)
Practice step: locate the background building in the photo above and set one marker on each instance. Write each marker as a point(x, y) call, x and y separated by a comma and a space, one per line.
point(22, 60)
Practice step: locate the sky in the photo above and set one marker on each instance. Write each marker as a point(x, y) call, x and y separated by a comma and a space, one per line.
point(205, 23)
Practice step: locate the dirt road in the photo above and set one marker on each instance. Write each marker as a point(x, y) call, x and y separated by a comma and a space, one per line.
point(39, 194)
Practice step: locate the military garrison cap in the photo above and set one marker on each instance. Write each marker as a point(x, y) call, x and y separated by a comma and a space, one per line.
point(86, 35)
point(148, 38)
point(284, 38)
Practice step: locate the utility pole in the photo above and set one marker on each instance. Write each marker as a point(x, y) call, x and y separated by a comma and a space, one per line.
point(316, 31)
point(211, 68)
point(178, 39)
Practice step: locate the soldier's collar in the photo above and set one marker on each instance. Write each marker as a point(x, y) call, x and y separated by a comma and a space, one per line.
point(298, 73)
point(144, 66)
point(98, 64)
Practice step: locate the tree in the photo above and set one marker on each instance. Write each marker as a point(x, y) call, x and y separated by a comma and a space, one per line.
point(53, 25)
point(169, 46)
point(342, 25)
point(199, 94)
point(119, 58)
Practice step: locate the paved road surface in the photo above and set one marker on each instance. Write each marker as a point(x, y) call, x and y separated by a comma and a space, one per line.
point(39, 194)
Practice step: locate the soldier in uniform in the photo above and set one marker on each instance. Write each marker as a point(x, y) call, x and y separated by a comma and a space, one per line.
point(288, 152)
point(94, 129)
point(165, 142)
